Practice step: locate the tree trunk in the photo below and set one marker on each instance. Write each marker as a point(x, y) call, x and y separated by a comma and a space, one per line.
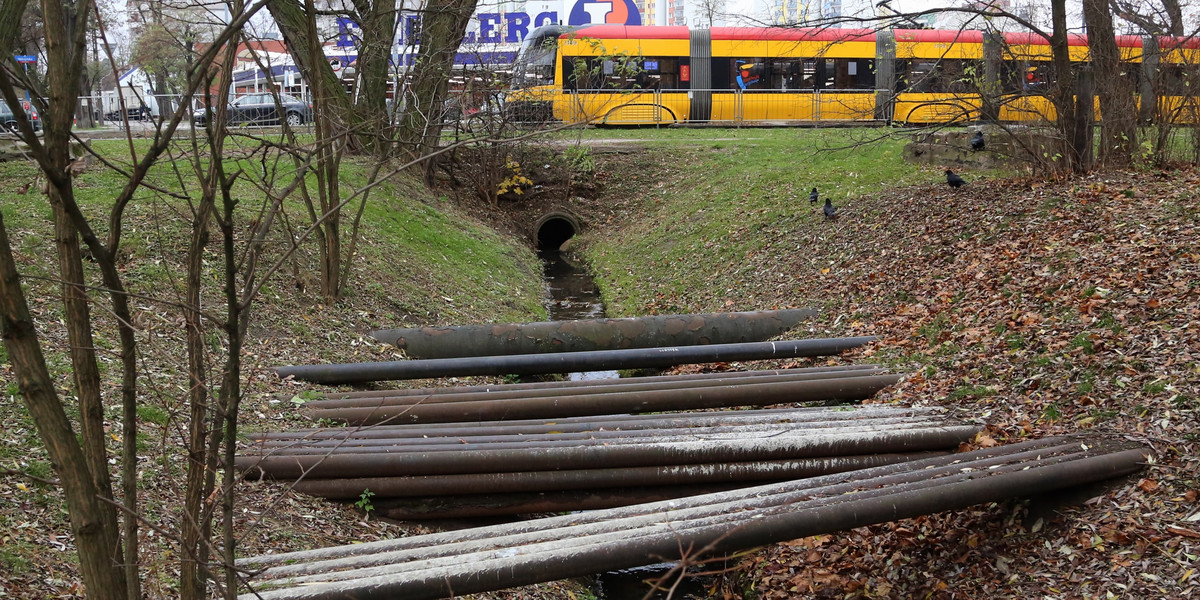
point(193, 574)
point(377, 21)
point(306, 49)
point(230, 394)
point(83, 355)
point(1118, 106)
point(92, 520)
point(420, 126)
point(1075, 144)
point(65, 35)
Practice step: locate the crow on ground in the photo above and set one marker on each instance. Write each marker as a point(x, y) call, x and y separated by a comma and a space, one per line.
point(812, 196)
point(954, 180)
point(977, 142)
point(830, 211)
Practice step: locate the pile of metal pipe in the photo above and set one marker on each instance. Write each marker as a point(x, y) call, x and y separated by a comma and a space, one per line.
point(518, 467)
point(483, 559)
point(589, 425)
point(584, 384)
point(620, 396)
point(583, 387)
point(592, 334)
point(569, 362)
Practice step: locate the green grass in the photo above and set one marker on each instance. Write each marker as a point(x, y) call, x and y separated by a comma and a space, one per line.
point(431, 262)
point(742, 191)
point(13, 561)
point(152, 414)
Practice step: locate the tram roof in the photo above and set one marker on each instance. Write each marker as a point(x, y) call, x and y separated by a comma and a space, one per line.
point(727, 33)
point(823, 34)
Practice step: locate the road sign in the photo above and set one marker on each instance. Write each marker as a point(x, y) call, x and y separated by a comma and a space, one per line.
point(26, 58)
point(336, 64)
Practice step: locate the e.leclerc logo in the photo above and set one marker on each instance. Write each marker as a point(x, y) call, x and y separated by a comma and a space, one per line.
point(613, 12)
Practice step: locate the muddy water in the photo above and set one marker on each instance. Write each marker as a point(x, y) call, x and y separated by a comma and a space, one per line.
point(573, 294)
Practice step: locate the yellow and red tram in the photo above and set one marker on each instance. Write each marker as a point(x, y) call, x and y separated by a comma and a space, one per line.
point(751, 74)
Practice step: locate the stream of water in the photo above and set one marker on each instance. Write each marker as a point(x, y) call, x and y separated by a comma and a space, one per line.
point(573, 294)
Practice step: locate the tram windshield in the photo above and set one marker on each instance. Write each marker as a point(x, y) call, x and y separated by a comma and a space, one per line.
point(535, 60)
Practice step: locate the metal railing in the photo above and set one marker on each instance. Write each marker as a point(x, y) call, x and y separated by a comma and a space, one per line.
point(733, 107)
point(105, 109)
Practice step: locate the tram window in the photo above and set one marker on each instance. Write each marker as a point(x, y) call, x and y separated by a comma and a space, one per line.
point(1012, 75)
point(600, 73)
point(1027, 75)
point(934, 76)
point(848, 74)
point(634, 73)
point(662, 73)
point(793, 74)
point(748, 74)
point(1133, 73)
point(570, 78)
point(1178, 80)
point(722, 69)
point(860, 73)
point(961, 76)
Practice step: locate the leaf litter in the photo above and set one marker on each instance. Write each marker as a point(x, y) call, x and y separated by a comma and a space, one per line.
point(1038, 308)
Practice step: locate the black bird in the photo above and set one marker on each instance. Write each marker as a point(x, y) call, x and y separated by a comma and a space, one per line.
point(954, 180)
point(830, 211)
point(977, 142)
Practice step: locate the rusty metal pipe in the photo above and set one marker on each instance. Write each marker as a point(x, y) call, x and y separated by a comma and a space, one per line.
point(590, 423)
point(567, 362)
point(589, 438)
point(579, 457)
point(823, 390)
point(624, 388)
point(491, 484)
point(635, 534)
point(592, 334)
point(515, 504)
point(553, 432)
point(431, 578)
point(536, 385)
point(540, 530)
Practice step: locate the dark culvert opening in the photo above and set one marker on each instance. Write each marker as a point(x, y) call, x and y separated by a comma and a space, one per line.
point(554, 233)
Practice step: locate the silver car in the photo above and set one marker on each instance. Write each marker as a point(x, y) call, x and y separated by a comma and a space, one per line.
point(260, 109)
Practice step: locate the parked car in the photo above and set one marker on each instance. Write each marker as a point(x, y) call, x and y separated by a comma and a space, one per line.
point(135, 113)
point(260, 109)
point(8, 118)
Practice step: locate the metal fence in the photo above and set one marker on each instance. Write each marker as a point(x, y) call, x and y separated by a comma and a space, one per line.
point(598, 107)
point(721, 106)
point(105, 109)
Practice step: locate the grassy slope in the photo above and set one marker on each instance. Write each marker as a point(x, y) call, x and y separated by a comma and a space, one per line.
point(730, 198)
point(421, 262)
point(1038, 308)
point(1010, 300)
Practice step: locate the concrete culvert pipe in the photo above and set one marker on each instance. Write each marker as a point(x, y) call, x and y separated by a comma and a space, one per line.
point(554, 229)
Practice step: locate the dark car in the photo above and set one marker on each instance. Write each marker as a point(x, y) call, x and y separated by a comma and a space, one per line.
point(260, 109)
point(8, 119)
point(135, 113)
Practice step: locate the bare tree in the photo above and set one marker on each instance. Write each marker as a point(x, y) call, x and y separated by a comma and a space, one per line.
point(1161, 18)
point(709, 10)
point(1118, 104)
point(107, 538)
point(443, 25)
